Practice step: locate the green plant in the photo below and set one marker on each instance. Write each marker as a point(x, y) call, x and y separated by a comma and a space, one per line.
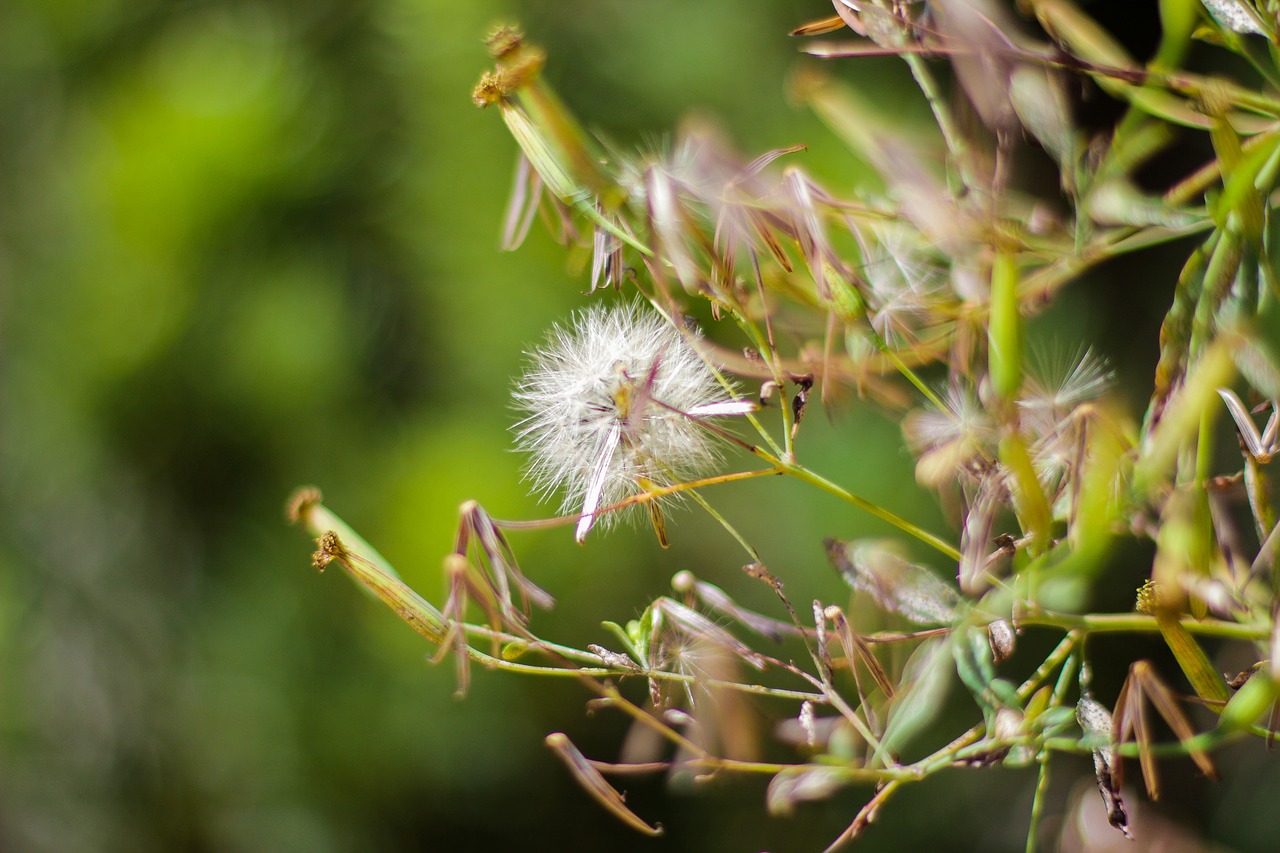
point(935, 273)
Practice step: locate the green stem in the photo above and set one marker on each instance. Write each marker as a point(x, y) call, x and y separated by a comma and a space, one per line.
point(1140, 623)
point(1061, 653)
point(951, 136)
point(1038, 801)
point(724, 522)
point(1203, 742)
point(901, 366)
point(492, 662)
point(803, 474)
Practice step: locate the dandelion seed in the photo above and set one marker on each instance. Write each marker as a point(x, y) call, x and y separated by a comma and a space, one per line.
point(1054, 395)
point(946, 441)
point(614, 405)
point(1056, 385)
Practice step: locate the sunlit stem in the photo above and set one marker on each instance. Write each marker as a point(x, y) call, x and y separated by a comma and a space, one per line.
point(1198, 181)
point(951, 135)
point(578, 655)
point(1203, 742)
point(765, 348)
point(802, 473)
point(1038, 801)
point(775, 361)
point(866, 814)
point(903, 368)
point(731, 765)
point(1140, 623)
point(1065, 677)
point(615, 698)
point(724, 522)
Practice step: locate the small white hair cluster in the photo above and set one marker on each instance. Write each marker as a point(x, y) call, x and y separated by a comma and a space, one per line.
point(613, 404)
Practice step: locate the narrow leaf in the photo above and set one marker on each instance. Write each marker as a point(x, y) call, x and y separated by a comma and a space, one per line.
point(1244, 423)
point(1205, 679)
point(375, 576)
point(926, 679)
point(1181, 419)
point(857, 649)
point(1166, 705)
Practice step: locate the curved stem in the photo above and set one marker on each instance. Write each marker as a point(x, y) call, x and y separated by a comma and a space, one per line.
point(1140, 623)
point(795, 469)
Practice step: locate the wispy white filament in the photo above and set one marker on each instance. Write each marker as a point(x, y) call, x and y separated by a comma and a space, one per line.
point(612, 406)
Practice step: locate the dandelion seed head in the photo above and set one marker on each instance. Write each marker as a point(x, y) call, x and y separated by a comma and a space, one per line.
point(607, 402)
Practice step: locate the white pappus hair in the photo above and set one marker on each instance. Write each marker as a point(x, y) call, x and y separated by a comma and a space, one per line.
point(612, 404)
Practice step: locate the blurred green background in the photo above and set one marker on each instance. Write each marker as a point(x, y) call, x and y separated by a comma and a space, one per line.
point(252, 245)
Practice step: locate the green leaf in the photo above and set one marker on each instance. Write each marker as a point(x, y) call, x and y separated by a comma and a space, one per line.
point(514, 650)
point(927, 676)
point(1251, 701)
point(1055, 720)
point(625, 637)
point(972, 656)
point(1042, 107)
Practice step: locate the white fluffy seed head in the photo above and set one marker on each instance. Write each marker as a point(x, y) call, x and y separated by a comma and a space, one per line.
point(607, 403)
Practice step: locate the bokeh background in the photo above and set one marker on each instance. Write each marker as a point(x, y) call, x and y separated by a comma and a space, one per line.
point(251, 245)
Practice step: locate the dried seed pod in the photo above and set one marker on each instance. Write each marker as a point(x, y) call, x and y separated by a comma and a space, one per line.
point(1095, 721)
point(1002, 637)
